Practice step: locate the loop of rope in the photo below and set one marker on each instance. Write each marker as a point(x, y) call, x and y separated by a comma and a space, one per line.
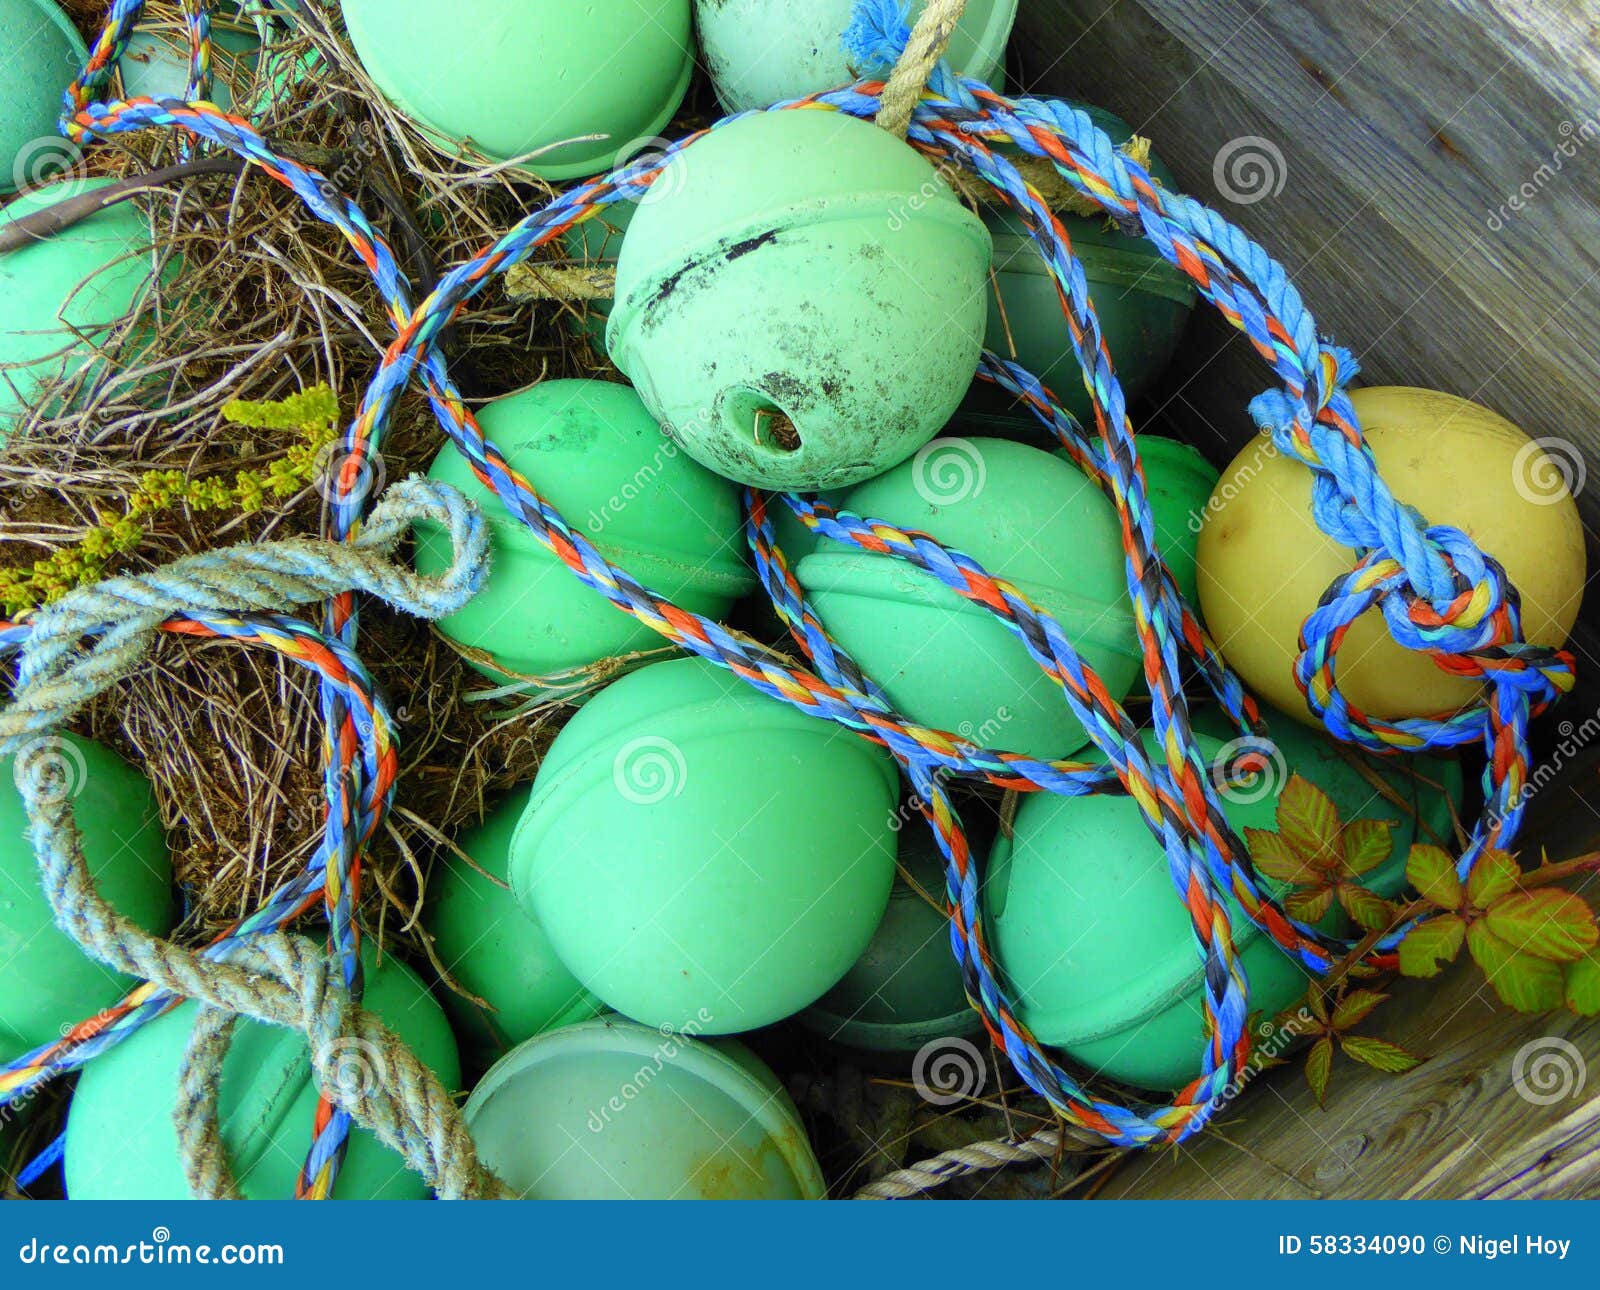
point(1459, 608)
point(407, 1108)
point(119, 618)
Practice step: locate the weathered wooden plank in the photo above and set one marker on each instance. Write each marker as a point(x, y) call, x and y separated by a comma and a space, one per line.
point(1455, 1127)
point(1404, 133)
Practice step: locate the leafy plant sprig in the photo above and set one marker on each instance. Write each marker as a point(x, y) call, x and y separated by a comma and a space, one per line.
point(312, 415)
point(1333, 1026)
point(1322, 858)
point(1535, 944)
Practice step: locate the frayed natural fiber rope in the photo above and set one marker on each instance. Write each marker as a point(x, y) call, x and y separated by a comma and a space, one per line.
point(276, 979)
point(561, 282)
point(929, 39)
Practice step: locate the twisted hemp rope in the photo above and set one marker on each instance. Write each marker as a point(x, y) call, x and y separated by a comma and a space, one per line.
point(275, 979)
point(923, 50)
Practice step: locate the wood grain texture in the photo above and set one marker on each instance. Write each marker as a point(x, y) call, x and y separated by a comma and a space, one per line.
point(1454, 1127)
point(1405, 130)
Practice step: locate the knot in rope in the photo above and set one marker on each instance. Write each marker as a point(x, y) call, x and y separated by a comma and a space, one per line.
point(359, 1064)
point(1438, 592)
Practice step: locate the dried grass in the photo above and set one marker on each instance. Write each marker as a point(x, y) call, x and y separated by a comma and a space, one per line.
point(262, 301)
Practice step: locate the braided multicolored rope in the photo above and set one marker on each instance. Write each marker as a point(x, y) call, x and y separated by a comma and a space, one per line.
point(1438, 593)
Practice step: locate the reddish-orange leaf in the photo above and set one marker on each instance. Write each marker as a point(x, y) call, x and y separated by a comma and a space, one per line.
point(1309, 821)
point(1272, 855)
point(1366, 844)
point(1309, 905)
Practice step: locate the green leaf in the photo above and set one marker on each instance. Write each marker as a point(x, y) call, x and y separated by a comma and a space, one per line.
point(1310, 905)
point(1272, 855)
point(1370, 910)
point(1583, 985)
point(1523, 981)
point(1433, 873)
point(1355, 1008)
point(1428, 946)
point(1495, 874)
point(1317, 1002)
point(1319, 1063)
point(1379, 1054)
point(1309, 821)
point(1555, 925)
point(1366, 844)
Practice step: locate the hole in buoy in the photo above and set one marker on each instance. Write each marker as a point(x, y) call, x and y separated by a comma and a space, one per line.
point(758, 420)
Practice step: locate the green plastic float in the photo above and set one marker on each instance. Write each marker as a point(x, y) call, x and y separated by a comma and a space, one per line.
point(51, 982)
point(1143, 304)
point(595, 453)
point(122, 1143)
point(40, 52)
point(60, 298)
point(760, 53)
point(1024, 515)
point(705, 858)
point(616, 74)
point(489, 944)
point(802, 303)
point(611, 1110)
point(905, 990)
point(1097, 944)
